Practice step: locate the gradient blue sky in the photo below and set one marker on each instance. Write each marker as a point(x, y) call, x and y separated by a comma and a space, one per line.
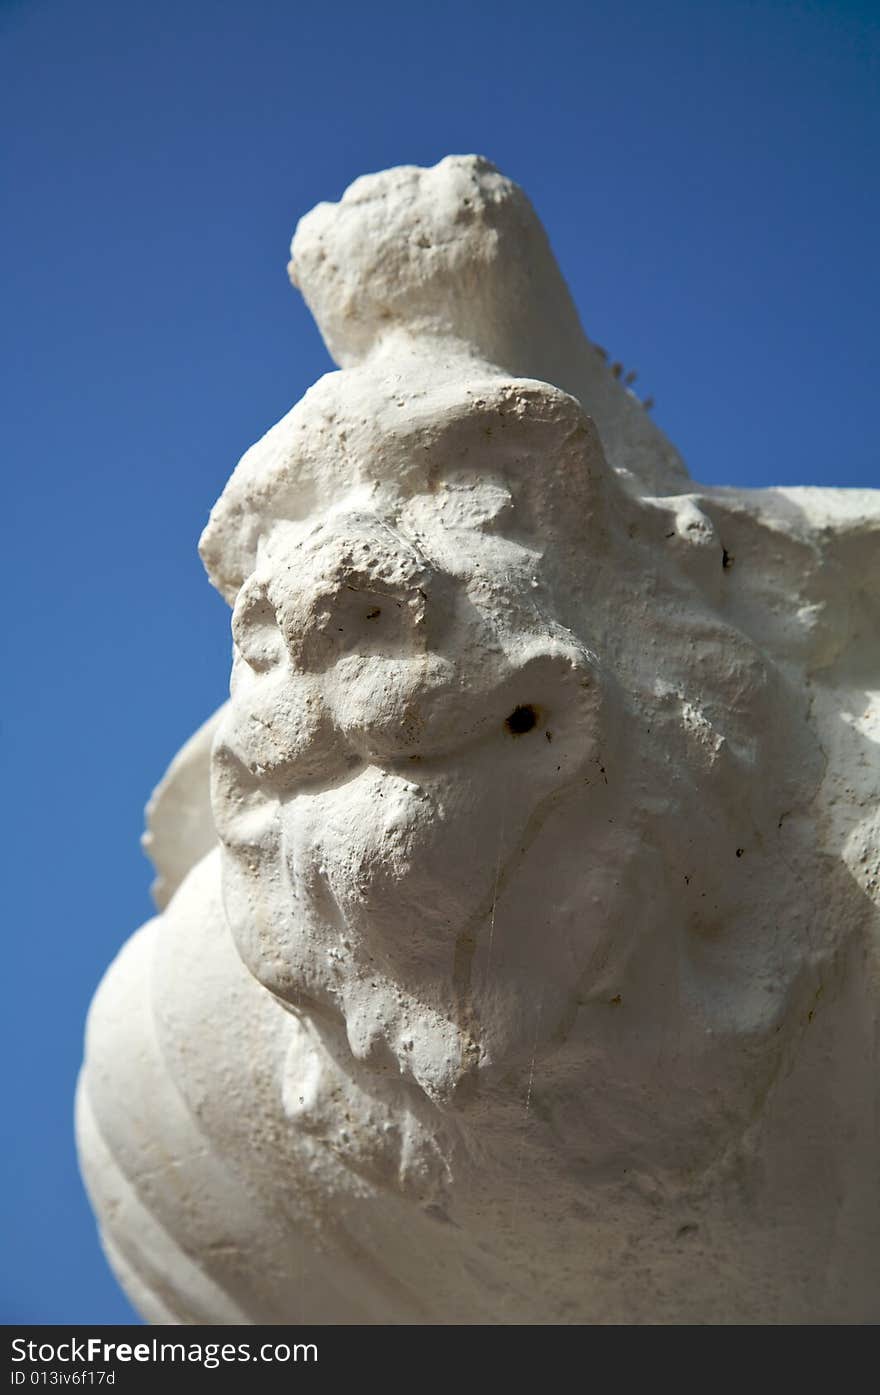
point(708, 176)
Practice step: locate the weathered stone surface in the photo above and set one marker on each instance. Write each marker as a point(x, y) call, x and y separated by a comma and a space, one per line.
point(535, 975)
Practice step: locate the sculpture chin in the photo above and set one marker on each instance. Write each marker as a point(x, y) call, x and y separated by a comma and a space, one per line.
point(373, 898)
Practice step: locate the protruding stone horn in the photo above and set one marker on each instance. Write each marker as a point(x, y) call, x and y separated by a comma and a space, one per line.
point(452, 261)
point(453, 252)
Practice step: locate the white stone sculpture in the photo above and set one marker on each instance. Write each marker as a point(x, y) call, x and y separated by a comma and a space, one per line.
point(532, 972)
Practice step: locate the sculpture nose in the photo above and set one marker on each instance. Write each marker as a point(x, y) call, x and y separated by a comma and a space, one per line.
point(353, 585)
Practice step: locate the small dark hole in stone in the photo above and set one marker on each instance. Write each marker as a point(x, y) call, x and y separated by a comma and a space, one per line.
point(373, 613)
point(521, 720)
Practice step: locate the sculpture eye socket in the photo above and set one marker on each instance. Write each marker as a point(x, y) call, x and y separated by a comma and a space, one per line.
point(360, 615)
point(355, 586)
point(521, 720)
point(371, 620)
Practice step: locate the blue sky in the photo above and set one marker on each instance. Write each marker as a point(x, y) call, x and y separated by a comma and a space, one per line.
point(708, 176)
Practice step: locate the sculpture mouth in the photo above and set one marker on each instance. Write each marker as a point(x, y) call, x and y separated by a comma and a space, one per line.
point(415, 717)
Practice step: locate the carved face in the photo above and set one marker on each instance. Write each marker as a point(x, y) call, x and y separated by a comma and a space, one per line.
point(408, 716)
point(451, 837)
